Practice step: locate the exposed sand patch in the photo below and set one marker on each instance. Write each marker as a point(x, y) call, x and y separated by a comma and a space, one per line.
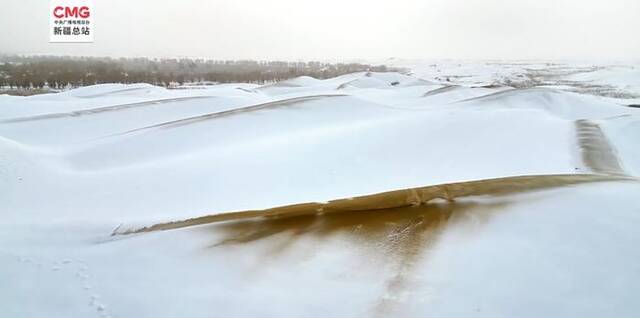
point(441, 90)
point(397, 239)
point(92, 111)
point(596, 151)
point(394, 199)
point(235, 111)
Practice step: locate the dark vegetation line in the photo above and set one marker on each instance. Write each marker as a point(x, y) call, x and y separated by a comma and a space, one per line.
point(59, 72)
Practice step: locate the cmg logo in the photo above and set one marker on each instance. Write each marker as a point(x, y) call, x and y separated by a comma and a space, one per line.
point(71, 12)
point(71, 21)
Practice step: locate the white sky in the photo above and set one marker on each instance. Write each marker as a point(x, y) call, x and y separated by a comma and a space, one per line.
point(338, 29)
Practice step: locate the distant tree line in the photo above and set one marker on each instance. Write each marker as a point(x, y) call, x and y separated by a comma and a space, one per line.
point(58, 72)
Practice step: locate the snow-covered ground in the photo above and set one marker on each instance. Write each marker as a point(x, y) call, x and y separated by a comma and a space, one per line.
point(76, 165)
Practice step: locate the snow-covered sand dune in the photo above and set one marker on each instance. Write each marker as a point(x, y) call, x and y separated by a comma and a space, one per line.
point(76, 165)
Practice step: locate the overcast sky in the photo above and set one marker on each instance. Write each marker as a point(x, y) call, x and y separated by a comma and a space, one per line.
point(338, 29)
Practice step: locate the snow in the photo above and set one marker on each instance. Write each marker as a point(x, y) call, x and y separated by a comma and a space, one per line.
point(75, 165)
point(624, 131)
point(622, 76)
